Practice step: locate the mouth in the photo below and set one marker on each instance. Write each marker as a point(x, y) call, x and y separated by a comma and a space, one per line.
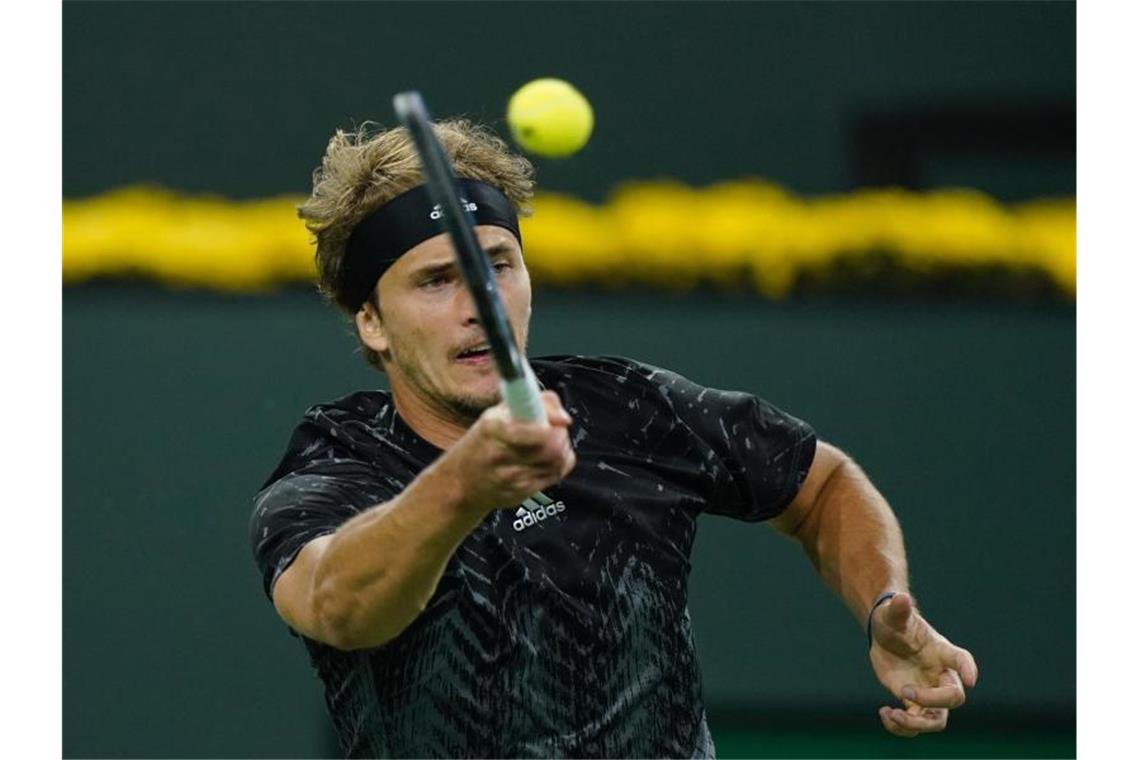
point(477, 354)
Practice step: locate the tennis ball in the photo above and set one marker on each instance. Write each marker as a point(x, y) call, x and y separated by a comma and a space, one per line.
point(548, 117)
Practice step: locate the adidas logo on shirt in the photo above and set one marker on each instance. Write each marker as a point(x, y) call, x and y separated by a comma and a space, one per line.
point(536, 509)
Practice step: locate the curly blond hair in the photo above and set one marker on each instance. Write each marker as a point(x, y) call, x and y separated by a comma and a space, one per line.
point(364, 169)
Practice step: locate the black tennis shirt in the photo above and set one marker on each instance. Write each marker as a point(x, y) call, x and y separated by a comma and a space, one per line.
point(560, 626)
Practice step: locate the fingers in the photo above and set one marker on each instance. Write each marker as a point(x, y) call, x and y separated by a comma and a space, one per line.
point(523, 437)
point(915, 721)
point(897, 612)
point(569, 459)
point(949, 692)
point(545, 451)
point(892, 726)
point(928, 708)
point(520, 434)
point(962, 661)
point(508, 460)
point(907, 644)
point(897, 627)
point(556, 415)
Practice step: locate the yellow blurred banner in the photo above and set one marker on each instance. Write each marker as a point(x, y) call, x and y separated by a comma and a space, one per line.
point(660, 234)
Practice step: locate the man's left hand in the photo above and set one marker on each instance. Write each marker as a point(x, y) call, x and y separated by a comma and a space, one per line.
point(918, 665)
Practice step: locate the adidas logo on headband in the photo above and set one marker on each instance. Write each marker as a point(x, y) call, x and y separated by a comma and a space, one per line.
point(437, 212)
point(397, 226)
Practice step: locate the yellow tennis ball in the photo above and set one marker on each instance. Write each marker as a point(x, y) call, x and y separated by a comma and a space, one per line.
point(548, 117)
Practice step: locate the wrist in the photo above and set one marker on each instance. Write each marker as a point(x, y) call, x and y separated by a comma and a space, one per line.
point(449, 489)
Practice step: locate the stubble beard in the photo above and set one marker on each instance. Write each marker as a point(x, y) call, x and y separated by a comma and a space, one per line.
point(464, 406)
point(470, 407)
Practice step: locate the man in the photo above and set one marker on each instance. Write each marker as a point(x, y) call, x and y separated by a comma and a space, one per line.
point(471, 585)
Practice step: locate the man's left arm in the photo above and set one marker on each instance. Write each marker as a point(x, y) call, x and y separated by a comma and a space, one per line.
point(852, 537)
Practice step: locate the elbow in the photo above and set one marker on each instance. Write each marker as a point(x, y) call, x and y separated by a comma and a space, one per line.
point(333, 617)
point(343, 622)
point(802, 519)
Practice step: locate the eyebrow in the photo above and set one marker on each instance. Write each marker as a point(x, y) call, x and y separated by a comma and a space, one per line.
point(495, 251)
point(498, 249)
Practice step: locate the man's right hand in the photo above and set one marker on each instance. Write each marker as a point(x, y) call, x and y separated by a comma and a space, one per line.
point(499, 461)
point(362, 585)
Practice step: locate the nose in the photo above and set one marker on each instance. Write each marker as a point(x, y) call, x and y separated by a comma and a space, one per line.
point(465, 307)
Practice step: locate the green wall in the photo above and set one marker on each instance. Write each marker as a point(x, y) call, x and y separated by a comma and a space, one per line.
point(240, 98)
point(176, 406)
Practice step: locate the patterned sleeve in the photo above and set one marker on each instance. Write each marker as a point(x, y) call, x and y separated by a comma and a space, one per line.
point(307, 504)
point(763, 452)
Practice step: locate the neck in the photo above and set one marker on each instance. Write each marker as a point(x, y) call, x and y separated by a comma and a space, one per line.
point(436, 424)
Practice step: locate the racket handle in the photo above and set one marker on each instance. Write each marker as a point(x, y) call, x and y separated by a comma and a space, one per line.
point(521, 395)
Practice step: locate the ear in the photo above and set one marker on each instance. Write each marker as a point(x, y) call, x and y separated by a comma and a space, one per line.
point(370, 328)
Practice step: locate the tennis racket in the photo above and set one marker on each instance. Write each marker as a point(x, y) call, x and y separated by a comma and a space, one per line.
point(516, 379)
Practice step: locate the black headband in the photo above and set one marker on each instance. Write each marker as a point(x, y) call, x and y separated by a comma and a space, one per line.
point(406, 221)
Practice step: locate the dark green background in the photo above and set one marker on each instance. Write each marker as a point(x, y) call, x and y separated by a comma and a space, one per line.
point(176, 405)
point(240, 98)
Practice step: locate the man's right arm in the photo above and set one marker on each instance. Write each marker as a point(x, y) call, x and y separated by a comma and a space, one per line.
point(362, 585)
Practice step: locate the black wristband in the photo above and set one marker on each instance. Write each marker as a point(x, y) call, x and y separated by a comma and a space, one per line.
point(870, 615)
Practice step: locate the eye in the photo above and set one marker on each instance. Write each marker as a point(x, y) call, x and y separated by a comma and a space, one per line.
point(501, 266)
point(434, 282)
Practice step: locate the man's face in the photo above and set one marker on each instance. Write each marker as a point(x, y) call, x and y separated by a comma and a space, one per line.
point(427, 333)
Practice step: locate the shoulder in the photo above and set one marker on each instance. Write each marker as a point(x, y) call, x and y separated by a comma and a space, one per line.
point(364, 406)
point(330, 434)
point(618, 375)
point(612, 370)
point(614, 390)
point(339, 459)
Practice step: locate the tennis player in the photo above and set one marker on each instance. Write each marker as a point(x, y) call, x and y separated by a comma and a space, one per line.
point(470, 585)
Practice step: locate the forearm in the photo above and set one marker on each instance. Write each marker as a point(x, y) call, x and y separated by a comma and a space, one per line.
point(854, 540)
point(382, 566)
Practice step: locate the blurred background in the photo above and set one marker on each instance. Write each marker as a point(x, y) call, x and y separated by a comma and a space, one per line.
point(897, 268)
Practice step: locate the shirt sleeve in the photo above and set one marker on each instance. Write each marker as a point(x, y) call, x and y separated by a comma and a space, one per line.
point(761, 453)
point(306, 504)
